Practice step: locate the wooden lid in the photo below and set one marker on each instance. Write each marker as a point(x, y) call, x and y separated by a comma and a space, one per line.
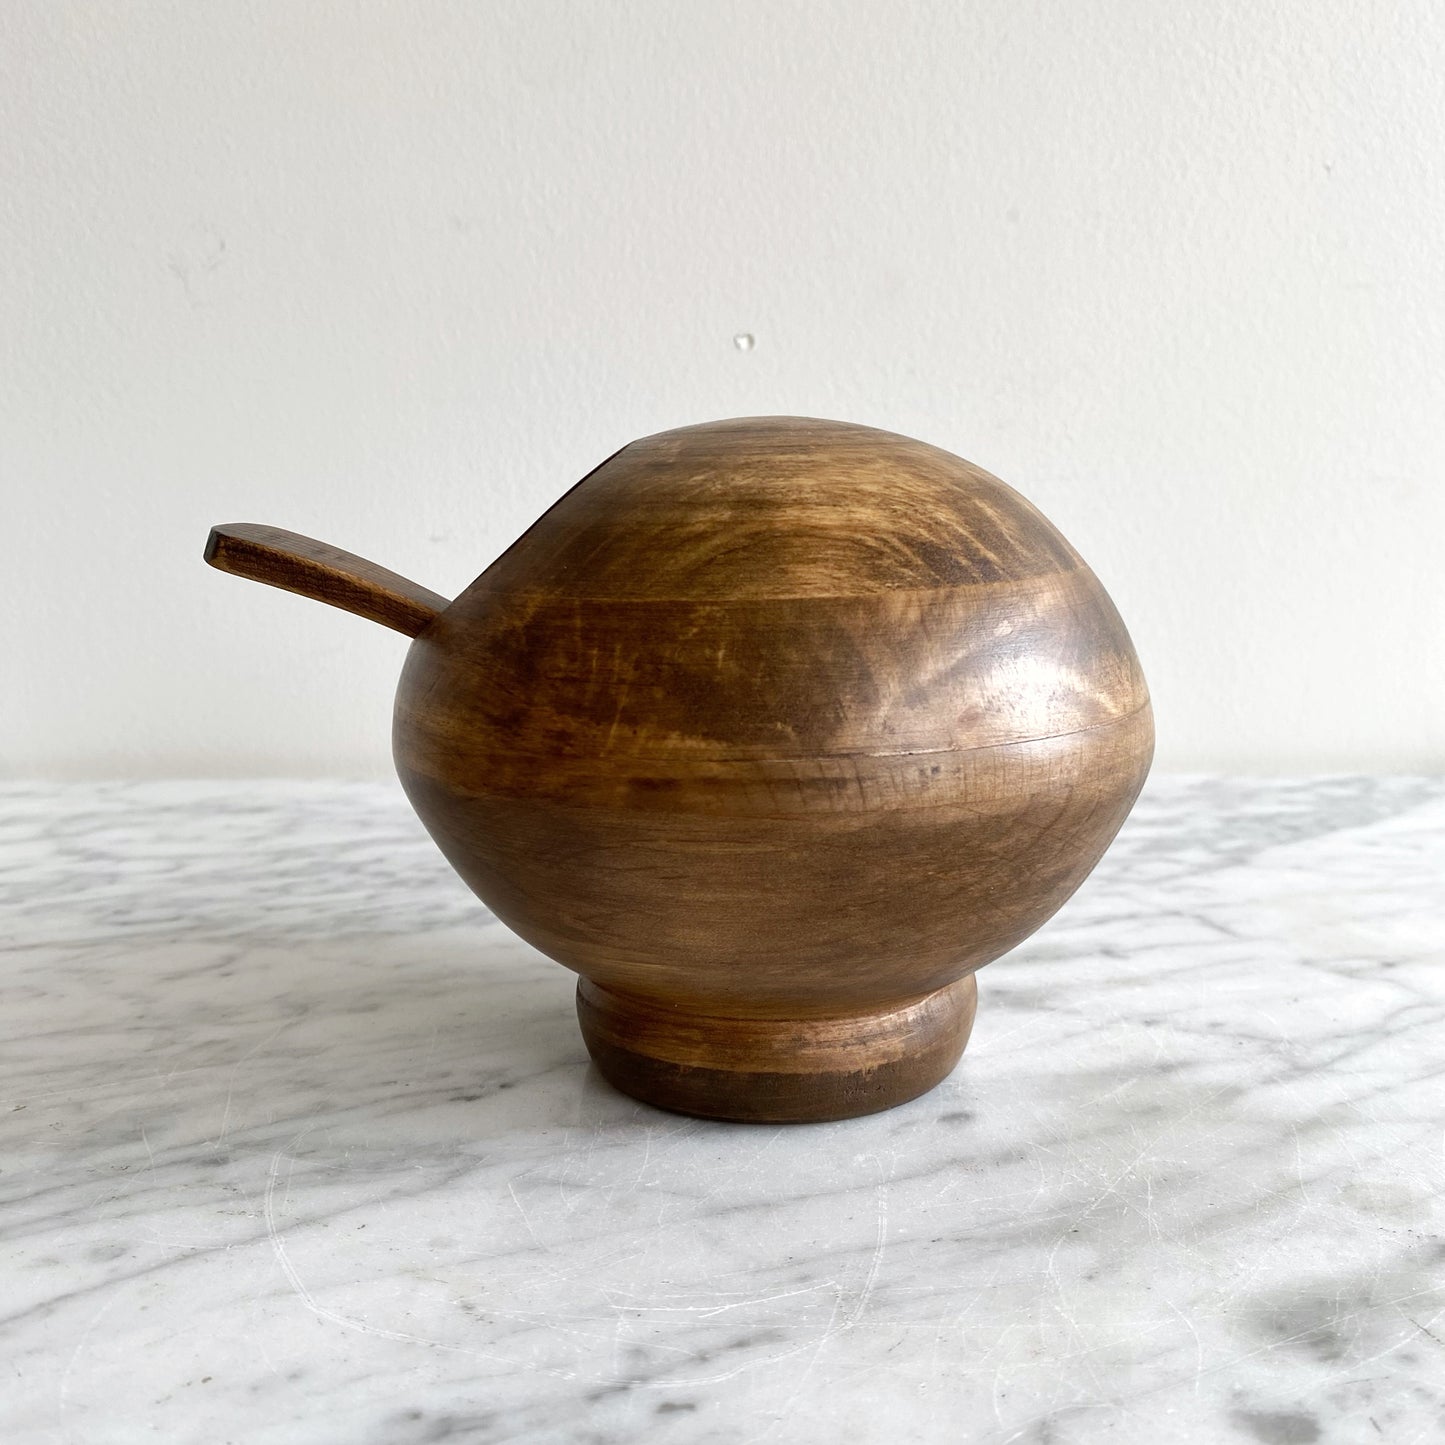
point(764, 507)
point(775, 588)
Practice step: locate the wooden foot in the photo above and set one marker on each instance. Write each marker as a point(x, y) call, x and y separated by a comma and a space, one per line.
point(779, 1071)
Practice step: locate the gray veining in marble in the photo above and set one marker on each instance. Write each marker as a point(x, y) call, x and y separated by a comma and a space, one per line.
point(299, 1145)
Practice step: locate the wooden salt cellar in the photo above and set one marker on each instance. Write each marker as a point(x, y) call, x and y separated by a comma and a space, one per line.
point(774, 730)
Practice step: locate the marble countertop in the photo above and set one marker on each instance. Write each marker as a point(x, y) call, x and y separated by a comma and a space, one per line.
point(297, 1144)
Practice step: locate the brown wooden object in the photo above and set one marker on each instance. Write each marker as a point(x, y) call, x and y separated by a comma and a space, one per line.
point(318, 570)
point(774, 730)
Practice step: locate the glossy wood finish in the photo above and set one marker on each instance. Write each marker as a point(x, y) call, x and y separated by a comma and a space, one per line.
point(322, 572)
point(775, 730)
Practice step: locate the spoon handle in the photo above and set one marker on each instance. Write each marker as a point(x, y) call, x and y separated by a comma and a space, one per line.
point(325, 573)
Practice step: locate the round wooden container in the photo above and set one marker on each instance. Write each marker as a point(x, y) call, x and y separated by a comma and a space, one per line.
point(774, 730)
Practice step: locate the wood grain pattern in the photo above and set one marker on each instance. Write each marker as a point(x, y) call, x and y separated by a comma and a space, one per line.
point(776, 1071)
point(324, 573)
point(775, 730)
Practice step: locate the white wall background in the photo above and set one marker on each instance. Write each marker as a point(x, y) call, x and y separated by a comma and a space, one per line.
point(396, 274)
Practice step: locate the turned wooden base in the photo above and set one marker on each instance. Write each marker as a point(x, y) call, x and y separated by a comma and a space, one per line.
point(789, 1071)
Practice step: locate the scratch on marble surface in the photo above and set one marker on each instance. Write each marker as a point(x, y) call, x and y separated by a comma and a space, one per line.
point(880, 1245)
point(1198, 1344)
point(346, 1322)
point(63, 1390)
point(522, 1211)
